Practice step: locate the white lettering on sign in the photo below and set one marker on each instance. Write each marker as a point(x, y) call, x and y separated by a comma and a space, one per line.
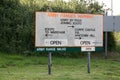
point(61, 49)
point(40, 49)
point(84, 42)
point(50, 49)
point(87, 48)
point(55, 42)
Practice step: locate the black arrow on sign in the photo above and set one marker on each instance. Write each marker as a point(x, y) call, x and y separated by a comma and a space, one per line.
point(71, 26)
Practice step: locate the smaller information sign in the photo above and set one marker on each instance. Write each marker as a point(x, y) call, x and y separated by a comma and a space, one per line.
point(84, 42)
point(87, 48)
point(55, 42)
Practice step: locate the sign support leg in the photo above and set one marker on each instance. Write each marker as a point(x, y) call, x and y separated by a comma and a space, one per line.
point(106, 36)
point(88, 62)
point(49, 63)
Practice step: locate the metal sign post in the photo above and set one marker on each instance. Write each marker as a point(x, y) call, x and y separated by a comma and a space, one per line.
point(106, 35)
point(49, 63)
point(88, 49)
point(88, 62)
point(106, 41)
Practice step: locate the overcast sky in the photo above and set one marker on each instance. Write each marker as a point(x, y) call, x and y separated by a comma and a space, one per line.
point(116, 6)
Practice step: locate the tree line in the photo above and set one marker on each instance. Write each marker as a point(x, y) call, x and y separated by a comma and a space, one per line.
point(17, 20)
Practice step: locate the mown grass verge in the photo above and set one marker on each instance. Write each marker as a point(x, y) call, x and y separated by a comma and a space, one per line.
point(17, 67)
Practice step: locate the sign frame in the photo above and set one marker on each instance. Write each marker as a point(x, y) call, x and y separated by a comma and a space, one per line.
point(83, 16)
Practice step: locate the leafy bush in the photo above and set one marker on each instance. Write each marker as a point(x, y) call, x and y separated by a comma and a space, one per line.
point(17, 20)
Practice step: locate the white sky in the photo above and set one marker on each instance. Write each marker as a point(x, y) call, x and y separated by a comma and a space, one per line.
point(116, 6)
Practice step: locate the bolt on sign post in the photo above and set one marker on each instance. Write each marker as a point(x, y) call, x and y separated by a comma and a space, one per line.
point(60, 31)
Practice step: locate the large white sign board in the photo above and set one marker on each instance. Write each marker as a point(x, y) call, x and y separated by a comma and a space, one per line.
point(68, 30)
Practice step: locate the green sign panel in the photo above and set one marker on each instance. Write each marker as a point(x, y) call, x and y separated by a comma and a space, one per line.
point(98, 49)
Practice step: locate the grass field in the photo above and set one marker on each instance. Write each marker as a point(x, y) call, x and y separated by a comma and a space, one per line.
point(16, 67)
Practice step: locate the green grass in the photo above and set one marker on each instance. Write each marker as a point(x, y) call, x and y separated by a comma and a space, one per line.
point(117, 40)
point(16, 67)
point(117, 36)
point(117, 49)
